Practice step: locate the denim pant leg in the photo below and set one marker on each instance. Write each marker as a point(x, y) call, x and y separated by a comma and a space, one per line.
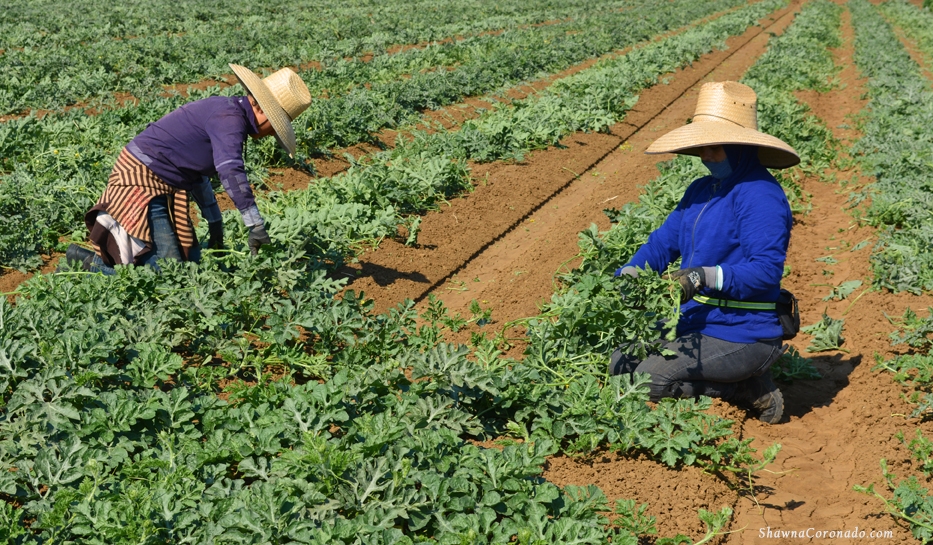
point(702, 365)
point(164, 240)
point(97, 265)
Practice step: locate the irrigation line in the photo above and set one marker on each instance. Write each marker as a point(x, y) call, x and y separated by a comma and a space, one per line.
point(631, 131)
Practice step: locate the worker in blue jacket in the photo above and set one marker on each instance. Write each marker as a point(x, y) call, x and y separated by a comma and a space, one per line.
point(731, 231)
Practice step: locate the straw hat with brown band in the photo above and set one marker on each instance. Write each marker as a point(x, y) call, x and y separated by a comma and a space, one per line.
point(282, 97)
point(726, 113)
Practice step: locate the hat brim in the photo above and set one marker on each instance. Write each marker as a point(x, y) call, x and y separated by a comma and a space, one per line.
point(772, 152)
point(282, 125)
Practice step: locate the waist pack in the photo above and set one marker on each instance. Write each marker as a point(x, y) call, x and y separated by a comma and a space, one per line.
point(785, 306)
point(788, 314)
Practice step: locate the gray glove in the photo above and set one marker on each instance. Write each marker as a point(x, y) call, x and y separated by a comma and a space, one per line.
point(257, 237)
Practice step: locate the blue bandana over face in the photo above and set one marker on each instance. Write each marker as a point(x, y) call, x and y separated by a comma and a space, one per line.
point(739, 160)
point(720, 170)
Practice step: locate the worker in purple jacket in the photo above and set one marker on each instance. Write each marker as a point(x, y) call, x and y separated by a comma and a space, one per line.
point(143, 214)
point(731, 230)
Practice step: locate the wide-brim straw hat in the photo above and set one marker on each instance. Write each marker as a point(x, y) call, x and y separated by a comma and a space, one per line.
point(282, 97)
point(726, 113)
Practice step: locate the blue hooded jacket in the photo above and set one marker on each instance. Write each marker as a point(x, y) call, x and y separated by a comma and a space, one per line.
point(742, 224)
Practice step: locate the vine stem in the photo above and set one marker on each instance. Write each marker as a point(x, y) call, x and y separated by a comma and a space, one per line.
point(899, 513)
point(859, 296)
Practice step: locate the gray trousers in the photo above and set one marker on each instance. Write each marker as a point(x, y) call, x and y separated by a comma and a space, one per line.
point(701, 365)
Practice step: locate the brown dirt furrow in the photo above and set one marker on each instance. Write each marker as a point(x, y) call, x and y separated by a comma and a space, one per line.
point(503, 242)
point(835, 430)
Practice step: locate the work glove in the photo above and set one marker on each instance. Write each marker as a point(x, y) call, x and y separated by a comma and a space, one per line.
point(215, 232)
point(257, 237)
point(691, 281)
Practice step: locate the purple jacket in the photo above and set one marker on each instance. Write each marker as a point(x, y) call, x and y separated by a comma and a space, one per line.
point(199, 139)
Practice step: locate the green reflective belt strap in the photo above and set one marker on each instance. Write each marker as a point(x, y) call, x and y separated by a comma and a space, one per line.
point(729, 303)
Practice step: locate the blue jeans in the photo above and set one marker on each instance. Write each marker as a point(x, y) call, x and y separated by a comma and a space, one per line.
point(164, 240)
point(701, 365)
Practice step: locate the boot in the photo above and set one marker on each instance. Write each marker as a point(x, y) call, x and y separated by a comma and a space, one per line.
point(79, 254)
point(761, 393)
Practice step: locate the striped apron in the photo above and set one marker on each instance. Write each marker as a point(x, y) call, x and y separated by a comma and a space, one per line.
point(130, 188)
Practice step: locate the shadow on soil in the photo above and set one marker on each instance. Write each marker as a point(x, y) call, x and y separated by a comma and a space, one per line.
point(801, 396)
point(383, 276)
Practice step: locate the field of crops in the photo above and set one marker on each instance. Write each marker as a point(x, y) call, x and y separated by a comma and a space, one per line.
point(421, 354)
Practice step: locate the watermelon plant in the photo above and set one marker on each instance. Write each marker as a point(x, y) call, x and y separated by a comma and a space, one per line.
point(60, 163)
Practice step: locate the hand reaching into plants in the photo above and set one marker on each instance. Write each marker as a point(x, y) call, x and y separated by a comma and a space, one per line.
point(691, 280)
point(629, 270)
point(257, 237)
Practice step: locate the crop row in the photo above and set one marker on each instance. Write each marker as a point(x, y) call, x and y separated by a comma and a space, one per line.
point(908, 498)
point(335, 424)
point(916, 23)
point(477, 66)
point(55, 54)
point(60, 163)
point(897, 149)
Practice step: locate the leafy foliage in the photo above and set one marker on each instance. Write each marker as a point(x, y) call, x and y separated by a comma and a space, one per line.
point(371, 443)
point(921, 450)
point(827, 334)
point(61, 54)
point(59, 164)
point(914, 368)
point(799, 59)
point(792, 366)
point(241, 400)
point(910, 501)
point(843, 290)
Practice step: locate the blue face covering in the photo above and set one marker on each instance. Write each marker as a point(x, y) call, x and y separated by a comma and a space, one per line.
point(720, 170)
